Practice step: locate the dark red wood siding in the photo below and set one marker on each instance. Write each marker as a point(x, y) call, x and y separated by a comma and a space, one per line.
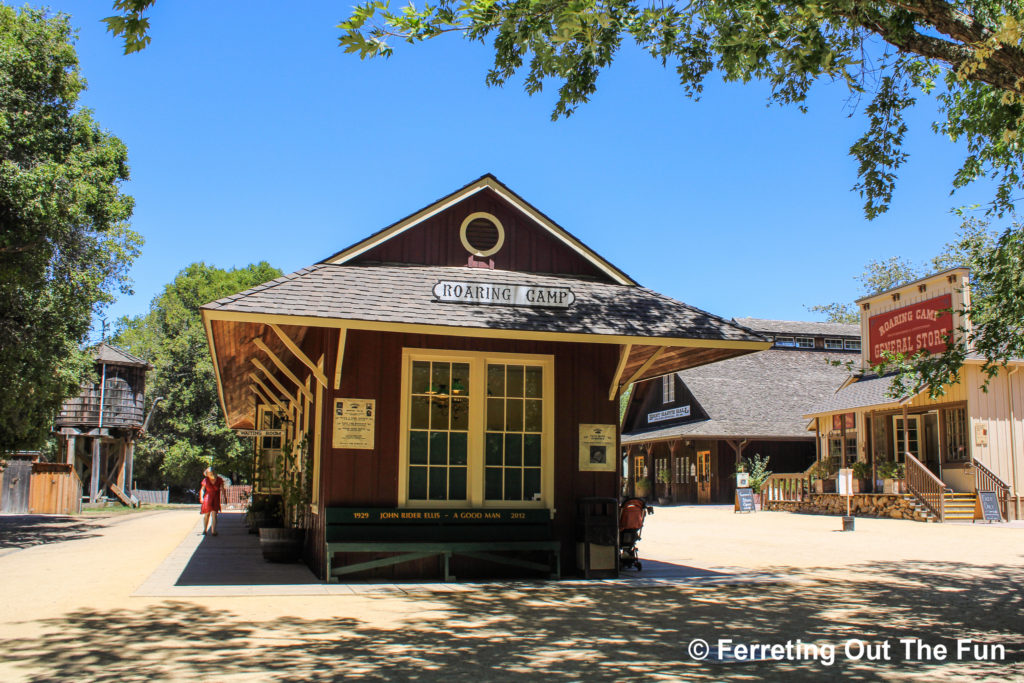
point(372, 369)
point(528, 247)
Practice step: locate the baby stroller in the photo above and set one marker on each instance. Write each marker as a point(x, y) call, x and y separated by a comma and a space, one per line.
point(632, 512)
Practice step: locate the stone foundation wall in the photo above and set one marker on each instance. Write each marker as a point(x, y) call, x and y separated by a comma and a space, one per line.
point(861, 505)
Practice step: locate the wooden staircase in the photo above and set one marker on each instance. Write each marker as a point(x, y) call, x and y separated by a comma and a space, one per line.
point(960, 506)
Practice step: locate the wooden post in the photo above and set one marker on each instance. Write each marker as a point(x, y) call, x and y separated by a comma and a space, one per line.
point(71, 450)
point(672, 468)
point(94, 478)
point(874, 450)
point(129, 466)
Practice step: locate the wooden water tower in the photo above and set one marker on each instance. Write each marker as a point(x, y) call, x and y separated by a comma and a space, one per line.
point(100, 443)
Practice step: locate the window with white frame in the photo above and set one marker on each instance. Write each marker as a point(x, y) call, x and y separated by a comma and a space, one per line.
point(834, 344)
point(852, 344)
point(477, 429)
point(805, 342)
point(786, 342)
point(668, 389)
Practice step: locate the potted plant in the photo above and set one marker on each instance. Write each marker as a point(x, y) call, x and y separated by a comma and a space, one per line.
point(642, 488)
point(264, 510)
point(291, 475)
point(664, 476)
point(861, 476)
point(822, 473)
point(891, 473)
point(759, 473)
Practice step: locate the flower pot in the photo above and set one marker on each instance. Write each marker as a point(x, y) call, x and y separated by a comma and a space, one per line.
point(281, 544)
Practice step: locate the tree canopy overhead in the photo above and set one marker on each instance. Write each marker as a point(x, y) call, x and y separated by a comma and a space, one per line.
point(65, 245)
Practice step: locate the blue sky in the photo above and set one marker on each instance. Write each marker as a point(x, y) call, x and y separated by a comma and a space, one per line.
point(253, 136)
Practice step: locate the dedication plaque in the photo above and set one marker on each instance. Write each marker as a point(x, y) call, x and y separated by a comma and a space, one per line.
point(354, 422)
point(597, 448)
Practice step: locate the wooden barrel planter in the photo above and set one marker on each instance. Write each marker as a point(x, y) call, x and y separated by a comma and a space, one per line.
point(281, 544)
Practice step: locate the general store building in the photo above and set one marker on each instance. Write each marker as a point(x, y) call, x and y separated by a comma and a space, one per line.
point(968, 439)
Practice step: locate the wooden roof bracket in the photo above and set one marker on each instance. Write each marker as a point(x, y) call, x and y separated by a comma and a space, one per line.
point(623, 357)
point(341, 356)
point(297, 352)
point(273, 380)
point(647, 363)
point(261, 345)
point(267, 398)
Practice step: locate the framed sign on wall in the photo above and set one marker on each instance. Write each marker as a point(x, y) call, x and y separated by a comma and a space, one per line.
point(597, 448)
point(354, 423)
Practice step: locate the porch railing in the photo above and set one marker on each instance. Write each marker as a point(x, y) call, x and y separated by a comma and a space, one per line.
point(928, 489)
point(786, 487)
point(986, 480)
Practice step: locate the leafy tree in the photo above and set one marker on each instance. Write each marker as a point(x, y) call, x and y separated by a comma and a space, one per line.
point(188, 432)
point(878, 276)
point(65, 245)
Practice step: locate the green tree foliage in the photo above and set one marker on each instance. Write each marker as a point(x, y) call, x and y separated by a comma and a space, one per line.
point(188, 432)
point(65, 245)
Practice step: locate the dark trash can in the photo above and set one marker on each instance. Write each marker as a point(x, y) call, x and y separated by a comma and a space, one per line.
point(597, 534)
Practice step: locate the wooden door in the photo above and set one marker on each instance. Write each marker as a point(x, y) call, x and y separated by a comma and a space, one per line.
point(703, 476)
point(16, 481)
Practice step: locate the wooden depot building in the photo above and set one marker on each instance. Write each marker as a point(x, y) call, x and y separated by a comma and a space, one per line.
point(684, 433)
point(948, 449)
point(456, 377)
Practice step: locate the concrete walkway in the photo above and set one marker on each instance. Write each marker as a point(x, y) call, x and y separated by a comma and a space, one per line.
point(231, 565)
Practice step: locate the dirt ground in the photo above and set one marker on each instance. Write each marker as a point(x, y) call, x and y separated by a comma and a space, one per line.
point(67, 611)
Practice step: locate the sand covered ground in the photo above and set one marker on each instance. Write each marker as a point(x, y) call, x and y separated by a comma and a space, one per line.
point(67, 610)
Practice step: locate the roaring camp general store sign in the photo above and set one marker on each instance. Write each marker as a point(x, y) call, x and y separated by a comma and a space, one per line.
point(907, 330)
point(507, 295)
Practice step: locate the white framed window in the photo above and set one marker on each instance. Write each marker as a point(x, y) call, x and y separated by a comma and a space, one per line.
point(668, 389)
point(852, 344)
point(787, 342)
point(805, 342)
point(477, 429)
point(834, 344)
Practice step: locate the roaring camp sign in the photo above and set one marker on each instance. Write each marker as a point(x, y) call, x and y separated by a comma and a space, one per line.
point(507, 295)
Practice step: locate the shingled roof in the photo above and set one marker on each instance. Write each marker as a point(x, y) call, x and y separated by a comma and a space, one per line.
point(799, 327)
point(107, 353)
point(404, 294)
point(764, 394)
point(870, 390)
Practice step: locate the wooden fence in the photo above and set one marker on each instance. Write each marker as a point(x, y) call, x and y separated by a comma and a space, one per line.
point(55, 489)
point(786, 487)
point(152, 497)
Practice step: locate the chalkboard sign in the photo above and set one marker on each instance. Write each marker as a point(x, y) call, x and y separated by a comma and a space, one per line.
point(745, 500)
point(987, 507)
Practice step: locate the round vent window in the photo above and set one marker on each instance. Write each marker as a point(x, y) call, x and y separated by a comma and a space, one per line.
point(482, 234)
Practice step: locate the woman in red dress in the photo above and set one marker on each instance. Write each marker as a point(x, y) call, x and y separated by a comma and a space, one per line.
point(209, 498)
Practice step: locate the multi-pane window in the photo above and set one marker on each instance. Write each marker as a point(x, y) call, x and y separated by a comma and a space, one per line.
point(668, 389)
point(851, 448)
point(955, 427)
point(852, 344)
point(512, 442)
point(834, 344)
point(911, 443)
point(788, 342)
point(805, 342)
point(438, 430)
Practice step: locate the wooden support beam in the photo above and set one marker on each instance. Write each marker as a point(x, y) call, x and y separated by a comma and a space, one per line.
point(267, 395)
point(623, 357)
point(297, 352)
point(647, 364)
point(273, 380)
point(341, 356)
point(282, 367)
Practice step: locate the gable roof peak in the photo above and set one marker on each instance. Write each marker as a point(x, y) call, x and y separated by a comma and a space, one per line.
point(491, 182)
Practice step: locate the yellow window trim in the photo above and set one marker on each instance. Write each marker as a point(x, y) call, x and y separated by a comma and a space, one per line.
point(478, 361)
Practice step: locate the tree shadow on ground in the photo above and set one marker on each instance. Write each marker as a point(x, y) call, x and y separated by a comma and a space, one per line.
point(555, 632)
point(23, 531)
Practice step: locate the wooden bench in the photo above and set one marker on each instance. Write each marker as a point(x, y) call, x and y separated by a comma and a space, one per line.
point(420, 533)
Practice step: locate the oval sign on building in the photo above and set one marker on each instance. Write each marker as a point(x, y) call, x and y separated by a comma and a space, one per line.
point(503, 295)
point(907, 330)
